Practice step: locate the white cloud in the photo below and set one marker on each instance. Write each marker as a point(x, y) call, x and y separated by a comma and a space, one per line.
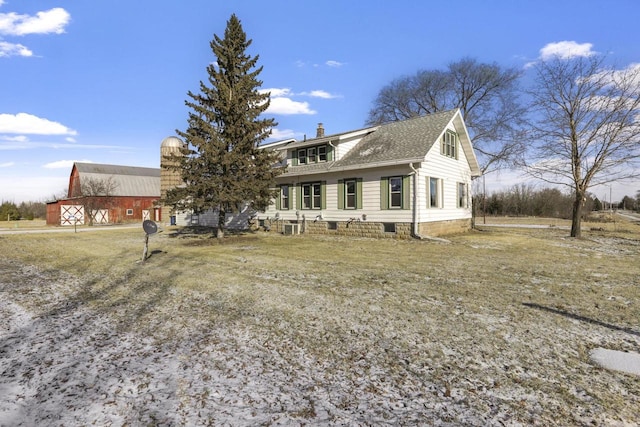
point(280, 134)
point(24, 123)
point(19, 138)
point(320, 94)
point(13, 49)
point(566, 50)
point(287, 106)
point(330, 63)
point(282, 102)
point(335, 64)
point(63, 164)
point(286, 92)
point(6, 165)
point(631, 73)
point(46, 22)
point(276, 92)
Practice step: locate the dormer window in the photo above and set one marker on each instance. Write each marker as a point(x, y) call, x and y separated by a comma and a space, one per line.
point(302, 156)
point(449, 146)
point(311, 155)
point(322, 153)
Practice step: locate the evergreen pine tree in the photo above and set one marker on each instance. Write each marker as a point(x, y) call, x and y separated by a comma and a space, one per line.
point(222, 166)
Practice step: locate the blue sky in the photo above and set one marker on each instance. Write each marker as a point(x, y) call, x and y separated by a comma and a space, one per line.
point(105, 81)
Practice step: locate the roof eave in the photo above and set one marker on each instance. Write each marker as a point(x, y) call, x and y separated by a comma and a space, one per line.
point(333, 168)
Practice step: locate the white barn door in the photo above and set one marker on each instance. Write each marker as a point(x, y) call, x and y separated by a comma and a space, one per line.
point(101, 216)
point(71, 215)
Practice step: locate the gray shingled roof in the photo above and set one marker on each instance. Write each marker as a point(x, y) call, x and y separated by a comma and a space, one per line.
point(398, 141)
point(129, 180)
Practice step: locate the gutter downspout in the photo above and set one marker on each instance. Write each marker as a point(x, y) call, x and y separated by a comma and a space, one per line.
point(414, 231)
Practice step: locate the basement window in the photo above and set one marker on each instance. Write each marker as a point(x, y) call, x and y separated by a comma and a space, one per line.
point(389, 227)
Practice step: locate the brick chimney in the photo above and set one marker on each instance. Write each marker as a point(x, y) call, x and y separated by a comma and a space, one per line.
point(320, 131)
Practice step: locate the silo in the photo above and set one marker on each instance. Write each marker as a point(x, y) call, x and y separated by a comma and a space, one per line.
point(169, 178)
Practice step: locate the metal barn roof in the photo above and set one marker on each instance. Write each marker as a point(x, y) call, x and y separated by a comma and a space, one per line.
point(130, 181)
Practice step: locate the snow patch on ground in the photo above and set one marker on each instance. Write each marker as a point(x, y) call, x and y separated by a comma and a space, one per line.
point(623, 361)
point(64, 363)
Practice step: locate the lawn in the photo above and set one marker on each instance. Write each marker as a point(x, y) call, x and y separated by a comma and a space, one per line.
point(493, 327)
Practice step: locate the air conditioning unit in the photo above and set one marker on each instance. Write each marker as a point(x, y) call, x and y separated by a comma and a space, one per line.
point(291, 229)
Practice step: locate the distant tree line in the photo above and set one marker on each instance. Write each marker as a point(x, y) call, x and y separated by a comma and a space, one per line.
point(526, 200)
point(9, 211)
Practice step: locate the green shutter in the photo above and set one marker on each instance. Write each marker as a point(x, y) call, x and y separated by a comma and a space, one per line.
point(456, 144)
point(294, 158)
point(298, 196)
point(329, 153)
point(341, 194)
point(279, 197)
point(323, 195)
point(384, 193)
point(359, 193)
point(406, 194)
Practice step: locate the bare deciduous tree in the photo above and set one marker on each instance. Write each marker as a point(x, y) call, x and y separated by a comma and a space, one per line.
point(485, 93)
point(96, 194)
point(586, 128)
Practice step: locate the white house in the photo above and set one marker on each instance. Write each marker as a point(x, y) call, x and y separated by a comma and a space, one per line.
point(402, 179)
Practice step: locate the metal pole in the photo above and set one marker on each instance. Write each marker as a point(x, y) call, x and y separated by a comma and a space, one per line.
point(484, 199)
point(610, 200)
point(146, 247)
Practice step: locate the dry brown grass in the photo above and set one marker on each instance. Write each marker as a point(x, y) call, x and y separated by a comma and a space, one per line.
point(493, 327)
point(23, 224)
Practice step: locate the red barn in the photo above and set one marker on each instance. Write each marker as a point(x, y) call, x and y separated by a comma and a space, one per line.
point(107, 194)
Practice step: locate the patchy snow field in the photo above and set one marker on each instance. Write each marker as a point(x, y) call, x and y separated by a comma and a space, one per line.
point(436, 340)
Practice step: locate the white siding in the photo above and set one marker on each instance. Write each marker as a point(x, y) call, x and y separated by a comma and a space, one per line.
point(451, 171)
point(370, 198)
point(343, 147)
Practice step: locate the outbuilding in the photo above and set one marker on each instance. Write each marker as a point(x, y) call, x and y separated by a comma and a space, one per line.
point(103, 194)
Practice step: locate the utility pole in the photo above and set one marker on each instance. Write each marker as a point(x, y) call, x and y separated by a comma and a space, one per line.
point(610, 200)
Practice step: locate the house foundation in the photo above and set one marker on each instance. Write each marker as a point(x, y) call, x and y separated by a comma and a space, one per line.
point(393, 230)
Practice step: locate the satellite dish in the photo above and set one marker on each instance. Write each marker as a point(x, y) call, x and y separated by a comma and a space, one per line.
point(149, 226)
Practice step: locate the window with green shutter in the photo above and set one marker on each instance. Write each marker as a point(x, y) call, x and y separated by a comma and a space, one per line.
point(322, 153)
point(311, 155)
point(449, 146)
point(283, 201)
point(312, 195)
point(394, 192)
point(350, 193)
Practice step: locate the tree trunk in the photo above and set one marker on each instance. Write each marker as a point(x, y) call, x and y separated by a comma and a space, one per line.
point(576, 214)
point(222, 215)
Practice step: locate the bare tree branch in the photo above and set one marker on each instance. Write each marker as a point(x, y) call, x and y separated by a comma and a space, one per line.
point(485, 93)
point(96, 194)
point(586, 128)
